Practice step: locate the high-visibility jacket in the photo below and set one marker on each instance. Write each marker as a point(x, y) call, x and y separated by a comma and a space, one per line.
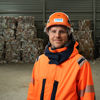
point(70, 80)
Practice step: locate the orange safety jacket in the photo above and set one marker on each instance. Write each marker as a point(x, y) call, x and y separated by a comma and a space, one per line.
point(70, 80)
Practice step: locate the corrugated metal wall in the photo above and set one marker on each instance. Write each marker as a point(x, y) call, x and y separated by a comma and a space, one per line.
point(98, 21)
point(75, 8)
point(20, 7)
point(41, 9)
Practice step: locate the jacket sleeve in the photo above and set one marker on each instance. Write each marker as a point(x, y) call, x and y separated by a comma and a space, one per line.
point(85, 85)
point(31, 92)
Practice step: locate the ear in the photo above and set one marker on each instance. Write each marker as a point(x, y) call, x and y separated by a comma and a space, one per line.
point(45, 31)
point(70, 31)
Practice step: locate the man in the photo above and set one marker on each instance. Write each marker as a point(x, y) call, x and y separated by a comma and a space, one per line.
point(61, 73)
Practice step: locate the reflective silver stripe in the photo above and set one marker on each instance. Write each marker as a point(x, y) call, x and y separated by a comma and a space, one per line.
point(88, 89)
point(81, 61)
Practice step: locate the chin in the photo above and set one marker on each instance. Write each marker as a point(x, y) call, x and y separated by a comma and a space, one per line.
point(58, 46)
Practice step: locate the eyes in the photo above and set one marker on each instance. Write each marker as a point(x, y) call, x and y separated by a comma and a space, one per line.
point(58, 31)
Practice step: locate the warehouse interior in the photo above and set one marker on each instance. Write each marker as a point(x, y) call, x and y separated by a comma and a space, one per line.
point(22, 39)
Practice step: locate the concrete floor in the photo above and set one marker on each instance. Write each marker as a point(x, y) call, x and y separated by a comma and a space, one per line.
point(15, 78)
point(14, 81)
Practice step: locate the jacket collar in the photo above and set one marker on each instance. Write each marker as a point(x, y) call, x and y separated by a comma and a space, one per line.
point(58, 56)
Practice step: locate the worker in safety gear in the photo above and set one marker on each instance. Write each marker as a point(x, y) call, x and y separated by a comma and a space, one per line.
point(61, 73)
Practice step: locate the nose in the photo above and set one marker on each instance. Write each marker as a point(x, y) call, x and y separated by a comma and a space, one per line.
point(58, 34)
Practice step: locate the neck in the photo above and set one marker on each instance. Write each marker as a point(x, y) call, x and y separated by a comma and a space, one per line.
point(53, 47)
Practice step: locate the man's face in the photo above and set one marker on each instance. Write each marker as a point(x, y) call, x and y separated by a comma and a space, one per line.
point(58, 36)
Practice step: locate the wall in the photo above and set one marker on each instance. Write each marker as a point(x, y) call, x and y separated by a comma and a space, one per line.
point(41, 9)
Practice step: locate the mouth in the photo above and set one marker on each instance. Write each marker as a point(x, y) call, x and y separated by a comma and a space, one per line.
point(57, 40)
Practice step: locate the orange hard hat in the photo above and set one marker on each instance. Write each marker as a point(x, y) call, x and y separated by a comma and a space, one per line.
point(58, 18)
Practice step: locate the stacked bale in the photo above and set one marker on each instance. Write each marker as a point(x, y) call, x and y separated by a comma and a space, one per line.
point(13, 51)
point(1, 49)
point(27, 35)
point(18, 40)
point(26, 29)
point(8, 34)
point(31, 49)
point(1, 43)
point(7, 22)
point(84, 37)
point(25, 22)
point(7, 27)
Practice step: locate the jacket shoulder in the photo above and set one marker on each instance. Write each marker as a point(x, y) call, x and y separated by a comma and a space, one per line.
point(80, 60)
point(42, 57)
